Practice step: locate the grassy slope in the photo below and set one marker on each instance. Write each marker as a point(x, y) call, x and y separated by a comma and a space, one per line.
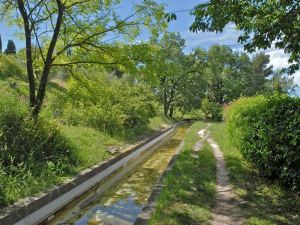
point(190, 186)
point(90, 144)
point(266, 203)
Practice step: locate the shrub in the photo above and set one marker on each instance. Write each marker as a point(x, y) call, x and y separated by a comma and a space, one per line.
point(31, 143)
point(267, 130)
point(11, 66)
point(211, 110)
point(115, 106)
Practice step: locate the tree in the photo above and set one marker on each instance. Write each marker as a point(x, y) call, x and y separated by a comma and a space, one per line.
point(261, 70)
point(193, 86)
point(0, 44)
point(229, 75)
point(85, 26)
point(280, 83)
point(219, 61)
point(11, 47)
point(265, 23)
point(164, 69)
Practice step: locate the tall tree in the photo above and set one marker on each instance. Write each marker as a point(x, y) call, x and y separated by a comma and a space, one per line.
point(265, 23)
point(11, 47)
point(281, 83)
point(85, 26)
point(219, 67)
point(0, 44)
point(229, 75)
point(164, 70)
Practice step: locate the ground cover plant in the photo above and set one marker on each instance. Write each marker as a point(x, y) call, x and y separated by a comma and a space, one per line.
point(33, 153)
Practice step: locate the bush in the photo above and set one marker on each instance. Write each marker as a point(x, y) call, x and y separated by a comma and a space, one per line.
point(30, 143)
point(116, 106)
point(11, 67)
point(267, 130)
point(211, 110)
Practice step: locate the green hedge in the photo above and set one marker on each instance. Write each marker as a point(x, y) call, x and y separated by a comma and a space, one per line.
point(267, 131)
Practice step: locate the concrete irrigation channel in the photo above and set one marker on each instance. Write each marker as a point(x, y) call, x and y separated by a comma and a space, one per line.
point(113, 192)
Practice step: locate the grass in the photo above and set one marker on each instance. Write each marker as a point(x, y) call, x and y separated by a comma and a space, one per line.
point(91, 144)
point(160, 122)
point(189, 188)
point(267, 202)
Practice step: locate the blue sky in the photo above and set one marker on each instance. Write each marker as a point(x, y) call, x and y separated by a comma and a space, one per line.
point(181, 25)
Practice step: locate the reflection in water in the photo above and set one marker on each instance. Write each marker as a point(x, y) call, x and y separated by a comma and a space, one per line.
point(122, 204)
point(121, 212)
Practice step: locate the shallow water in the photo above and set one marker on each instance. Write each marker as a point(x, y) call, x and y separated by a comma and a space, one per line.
point(124, 201)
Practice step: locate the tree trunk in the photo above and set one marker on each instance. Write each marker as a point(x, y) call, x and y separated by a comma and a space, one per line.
point(29, 62)
point(165, 102)
point(49, 60)
point(171, 111)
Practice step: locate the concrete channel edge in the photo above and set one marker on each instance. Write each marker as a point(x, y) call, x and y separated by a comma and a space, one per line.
point(149, 208)
point(34, 210)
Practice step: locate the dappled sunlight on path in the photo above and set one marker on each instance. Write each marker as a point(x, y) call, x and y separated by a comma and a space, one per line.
point(226, 210)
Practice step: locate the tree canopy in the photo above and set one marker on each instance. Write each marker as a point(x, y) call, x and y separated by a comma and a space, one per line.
point(68, 33)
point(265, 24)
point(11, 47)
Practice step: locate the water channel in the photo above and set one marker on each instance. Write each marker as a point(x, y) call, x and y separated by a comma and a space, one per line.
point(121, 203)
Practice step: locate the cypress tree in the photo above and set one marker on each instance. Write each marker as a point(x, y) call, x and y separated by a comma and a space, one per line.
point(11, 47)
point(0, 44)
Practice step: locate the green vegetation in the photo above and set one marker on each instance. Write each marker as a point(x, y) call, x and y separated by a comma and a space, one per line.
point(266, 202)
point(111, 105)
point(33, 155)
point(85, 83)
point(211, 110)
point(264, 23)
point(266, 130)
point(188, 196)
point(78, 36)
point(91, 145)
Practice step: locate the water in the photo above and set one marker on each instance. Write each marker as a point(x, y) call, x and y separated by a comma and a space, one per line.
point(123, 202)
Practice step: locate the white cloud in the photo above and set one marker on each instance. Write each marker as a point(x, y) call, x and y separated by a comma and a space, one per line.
point(205, 39)
point(279, 60)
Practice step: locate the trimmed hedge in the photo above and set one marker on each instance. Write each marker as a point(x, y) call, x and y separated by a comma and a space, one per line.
point(267, 131)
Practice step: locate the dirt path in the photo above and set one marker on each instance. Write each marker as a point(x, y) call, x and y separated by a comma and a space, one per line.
point(226, 210)
point(203, 134)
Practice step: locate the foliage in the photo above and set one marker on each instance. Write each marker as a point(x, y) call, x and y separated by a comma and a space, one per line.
point(266, 129)
point(282, 83)
point(168, 71)
point(118, 106)
point(264, 23)
point(30, 143)
point(164, 69)
point(11, 48)
point(11, 67)
point(33, 154)
point(264, 202)
point(0, 45)
point(76, 28)
point(230, 75)
point(212, 110)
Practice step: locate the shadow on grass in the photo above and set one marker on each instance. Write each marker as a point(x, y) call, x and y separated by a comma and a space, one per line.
point(189, 190)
